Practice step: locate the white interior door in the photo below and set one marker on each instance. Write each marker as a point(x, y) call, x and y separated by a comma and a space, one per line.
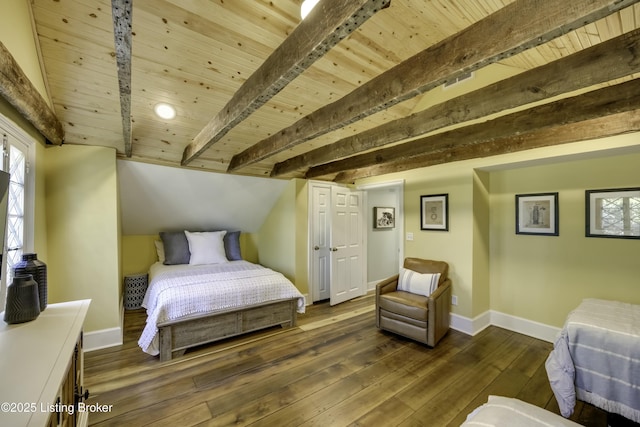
point(347, 245)
point(320, 235)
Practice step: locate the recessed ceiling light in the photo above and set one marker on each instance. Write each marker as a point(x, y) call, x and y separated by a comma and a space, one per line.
point(165, 111)
point(307, 6)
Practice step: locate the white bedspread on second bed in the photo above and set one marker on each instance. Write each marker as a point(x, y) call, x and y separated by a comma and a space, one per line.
point(177, 291)
point(596, 358)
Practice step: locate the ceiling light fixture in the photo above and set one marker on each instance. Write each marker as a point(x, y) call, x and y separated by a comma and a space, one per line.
point(307, 6)
point(165, 111)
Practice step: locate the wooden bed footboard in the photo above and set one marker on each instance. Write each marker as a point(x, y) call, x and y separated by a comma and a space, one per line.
point(179, 335)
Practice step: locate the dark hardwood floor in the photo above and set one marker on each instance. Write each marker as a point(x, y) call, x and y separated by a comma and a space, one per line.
point(334, 369)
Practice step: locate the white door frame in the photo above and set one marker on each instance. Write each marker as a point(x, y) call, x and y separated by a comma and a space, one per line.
point(313, 291)
point(26, 144)
point(399, 185)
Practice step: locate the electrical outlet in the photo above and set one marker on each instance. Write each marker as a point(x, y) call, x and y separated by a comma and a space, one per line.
point(454, 300)
point(409, 236)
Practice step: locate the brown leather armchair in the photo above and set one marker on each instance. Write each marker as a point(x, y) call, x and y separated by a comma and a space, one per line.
point(421, 318)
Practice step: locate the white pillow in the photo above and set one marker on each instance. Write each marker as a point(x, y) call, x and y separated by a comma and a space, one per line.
point(418, 283)
point(160, 250)
point(206, 247)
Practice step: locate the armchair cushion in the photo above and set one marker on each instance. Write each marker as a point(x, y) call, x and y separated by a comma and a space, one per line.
point(418, 283)
point(405, 304)
point(428, 266)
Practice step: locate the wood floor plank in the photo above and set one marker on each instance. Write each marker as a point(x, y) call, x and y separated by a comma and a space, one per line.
point(449, 370)
point(362, 402)
point(335, 369)
point(510, 381)
point(537, 391)
point(491, 361)
point(391, 412)
point(285, 352)
point(187, 417)
point(296, 383)
point(367, 367)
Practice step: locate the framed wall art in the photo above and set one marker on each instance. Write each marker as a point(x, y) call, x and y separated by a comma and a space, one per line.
point(384, 217)
point(613, 213)
point(434, 212)
point(537, 214)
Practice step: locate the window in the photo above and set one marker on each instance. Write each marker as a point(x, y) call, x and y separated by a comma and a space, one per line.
point(16, 166)
point(17, 149)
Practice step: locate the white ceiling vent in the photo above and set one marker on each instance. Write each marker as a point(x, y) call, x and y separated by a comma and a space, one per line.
point(459, 79)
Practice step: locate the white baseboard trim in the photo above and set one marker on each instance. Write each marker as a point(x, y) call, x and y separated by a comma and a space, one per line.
point(506, 321)
point(104, 338)
point(524, 326)
point(470, 326)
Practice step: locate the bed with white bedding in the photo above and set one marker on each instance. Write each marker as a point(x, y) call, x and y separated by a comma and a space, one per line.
point(596, 358)
point(508, 412)
point(189, 305)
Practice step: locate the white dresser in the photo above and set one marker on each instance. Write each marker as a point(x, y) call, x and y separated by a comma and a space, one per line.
point(41, 368)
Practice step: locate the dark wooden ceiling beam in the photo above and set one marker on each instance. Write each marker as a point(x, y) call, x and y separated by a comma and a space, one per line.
point(602, 102)
point(516, 27)
point(18, 90)
point(610, 60)
point(327, 24)
point(601, 127)
point(122, 16)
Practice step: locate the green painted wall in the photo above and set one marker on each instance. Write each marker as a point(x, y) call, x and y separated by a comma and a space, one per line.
point(481, 256)
point(541, 278)
point(283, 236)
point(16, 34)
point(83, 235)
point(455, 246)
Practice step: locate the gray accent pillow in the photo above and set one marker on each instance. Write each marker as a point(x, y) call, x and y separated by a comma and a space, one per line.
point(232, 246)
point(176, 247)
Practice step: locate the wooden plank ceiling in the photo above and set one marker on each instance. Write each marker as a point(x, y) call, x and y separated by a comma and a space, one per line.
point(260, 92)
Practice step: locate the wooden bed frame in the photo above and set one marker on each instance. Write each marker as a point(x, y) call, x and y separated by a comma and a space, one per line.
point(179, 335)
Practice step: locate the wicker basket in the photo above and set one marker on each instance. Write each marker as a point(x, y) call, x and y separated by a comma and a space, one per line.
point(135, 286)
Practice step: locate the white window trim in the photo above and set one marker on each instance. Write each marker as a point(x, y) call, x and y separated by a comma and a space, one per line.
point(9, 127)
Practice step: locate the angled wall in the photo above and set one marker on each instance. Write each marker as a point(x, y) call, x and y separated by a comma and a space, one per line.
point(156, 198)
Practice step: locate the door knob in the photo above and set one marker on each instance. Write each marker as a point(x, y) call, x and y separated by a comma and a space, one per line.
point(316, 248)
point(334, 249)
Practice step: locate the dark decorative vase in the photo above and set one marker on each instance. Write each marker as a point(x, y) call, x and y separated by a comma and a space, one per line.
point(30, 264)
point(23, 300)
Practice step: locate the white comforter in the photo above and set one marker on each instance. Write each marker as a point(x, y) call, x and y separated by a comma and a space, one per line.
point(596, 358)
point(177, 291)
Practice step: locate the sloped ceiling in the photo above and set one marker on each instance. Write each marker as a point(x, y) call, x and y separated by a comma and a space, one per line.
point(202, 56)
point(156, 198)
